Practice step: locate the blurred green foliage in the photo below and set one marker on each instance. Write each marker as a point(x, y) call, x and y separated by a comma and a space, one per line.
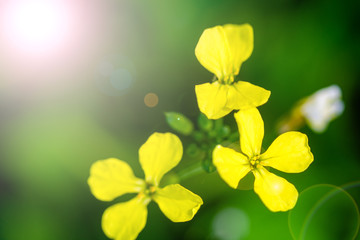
point(49, 141)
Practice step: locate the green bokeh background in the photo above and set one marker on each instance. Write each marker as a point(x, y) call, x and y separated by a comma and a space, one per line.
point(49, 141)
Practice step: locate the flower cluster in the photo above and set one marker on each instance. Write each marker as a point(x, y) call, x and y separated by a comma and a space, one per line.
point(289, 153)
point(221, 50)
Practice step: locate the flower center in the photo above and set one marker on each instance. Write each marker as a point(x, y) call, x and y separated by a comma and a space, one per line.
point(147, 192)
point(149, 189)
point(227, 79)
point(254, 161)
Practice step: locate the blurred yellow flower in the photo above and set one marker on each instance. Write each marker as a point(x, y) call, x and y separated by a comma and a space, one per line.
point(222, 50)
point(112, 178)
point(289, 153)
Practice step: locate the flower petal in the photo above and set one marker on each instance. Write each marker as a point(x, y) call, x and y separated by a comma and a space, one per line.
point(222, 49)
point(241, 43)
point(177, 203)
point(159, 154)
point(125, 220)
point(322, 107)
point(244, 95)
point(251, 129)
point(213, 53)
point(112, 178)
point(289, 153)
point(212, 99)
point(275, 192)
point(231, 165)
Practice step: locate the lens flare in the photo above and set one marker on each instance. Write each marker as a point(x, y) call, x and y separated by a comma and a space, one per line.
point(48, 41)
point(151, 100)
point(36, 26)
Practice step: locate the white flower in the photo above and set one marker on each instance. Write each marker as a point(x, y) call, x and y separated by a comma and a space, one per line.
point(322, 107)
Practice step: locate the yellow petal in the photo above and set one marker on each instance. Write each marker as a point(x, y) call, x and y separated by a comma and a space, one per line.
point(177, 203)
point(222, 49)
point(212, 98)
point(275, 192)
point(244, 95)
point(213, 53)
point(241, 43)
point(112, 178)
point(251, 129)
point(289, 152)
point(159, 154)
point(231, 165)
point(125, 220)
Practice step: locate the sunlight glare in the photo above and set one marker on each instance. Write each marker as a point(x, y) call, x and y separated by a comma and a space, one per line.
point(36, 26)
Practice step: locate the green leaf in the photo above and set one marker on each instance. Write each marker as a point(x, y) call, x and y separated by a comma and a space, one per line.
point(179, 123)
point(205, 123)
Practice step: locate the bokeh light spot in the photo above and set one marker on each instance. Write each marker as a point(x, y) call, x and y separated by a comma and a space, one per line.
point(114, 82)
point(319, 203)
point(230, 224)
point(115, 75)
point(121, 79)
point(151, 100)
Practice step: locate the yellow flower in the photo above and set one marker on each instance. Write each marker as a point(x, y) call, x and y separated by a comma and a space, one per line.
point(112, 178)
point(222, 50)
point(289, 153)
